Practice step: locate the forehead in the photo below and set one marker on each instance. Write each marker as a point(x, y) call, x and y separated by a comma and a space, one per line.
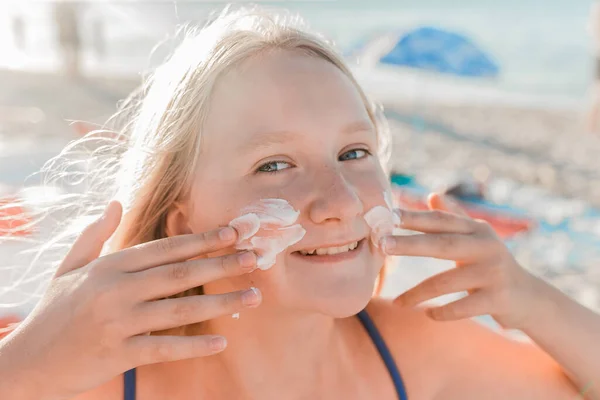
point(281, 91)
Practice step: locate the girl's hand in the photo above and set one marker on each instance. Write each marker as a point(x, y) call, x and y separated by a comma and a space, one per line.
point(91, 324)
point(495, 282)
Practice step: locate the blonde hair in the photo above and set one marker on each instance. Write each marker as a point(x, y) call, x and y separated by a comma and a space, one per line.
point(148, 164)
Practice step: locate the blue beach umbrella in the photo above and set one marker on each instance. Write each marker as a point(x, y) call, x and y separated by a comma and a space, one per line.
point(438, 50)
point(428, 49)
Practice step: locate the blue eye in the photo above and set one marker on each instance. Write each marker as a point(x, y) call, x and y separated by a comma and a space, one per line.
point(354, 154)
point(273, 166)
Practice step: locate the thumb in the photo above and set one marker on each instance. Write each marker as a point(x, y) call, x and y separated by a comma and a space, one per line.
point(89, 244)
point(437, 201)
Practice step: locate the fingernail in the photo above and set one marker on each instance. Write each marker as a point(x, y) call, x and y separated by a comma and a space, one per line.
point(247, 260)
point(251, 297)
point(218, 343)
point(105, 212)
point(382, 242)
point(397, 217)
point(388, 243)
point(227, 233)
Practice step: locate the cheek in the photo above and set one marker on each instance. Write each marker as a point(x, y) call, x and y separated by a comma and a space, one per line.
point(214, 208)
point(210, 208)
point(370, 187)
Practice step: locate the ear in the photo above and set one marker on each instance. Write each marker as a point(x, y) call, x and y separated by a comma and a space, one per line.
point(177, 222)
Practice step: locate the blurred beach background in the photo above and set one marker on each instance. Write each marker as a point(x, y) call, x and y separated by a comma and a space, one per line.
point(519, 134)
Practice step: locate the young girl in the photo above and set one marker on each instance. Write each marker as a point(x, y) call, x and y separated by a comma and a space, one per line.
point(254, 117)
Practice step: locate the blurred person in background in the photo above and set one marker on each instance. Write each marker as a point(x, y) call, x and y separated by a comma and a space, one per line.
point(18, 27)
point(252, 107)
point(66, 22)
point(99, 38)
point(594, 29)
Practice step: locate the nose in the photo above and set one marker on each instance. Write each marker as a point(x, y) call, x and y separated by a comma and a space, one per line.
point(334, 199)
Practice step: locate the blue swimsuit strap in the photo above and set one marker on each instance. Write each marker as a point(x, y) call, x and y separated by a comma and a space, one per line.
point(384, 352)
point(129, 376)
point(129, 380)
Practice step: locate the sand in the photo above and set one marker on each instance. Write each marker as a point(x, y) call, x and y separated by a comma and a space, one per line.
point(543, 148)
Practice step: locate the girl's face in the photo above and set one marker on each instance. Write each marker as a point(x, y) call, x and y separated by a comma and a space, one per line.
point(289, 126)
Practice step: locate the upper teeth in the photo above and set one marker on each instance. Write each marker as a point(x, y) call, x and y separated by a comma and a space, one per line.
point(330, 250)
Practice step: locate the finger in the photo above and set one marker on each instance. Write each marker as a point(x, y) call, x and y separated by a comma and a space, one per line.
point(444, 246)
point(170, 279)
point(436, 222)
point(143, 350)
point(89, 244)
point(172, 249)
point(437, 201)
point(473, 305)
point(470, 277)
point(171, 313)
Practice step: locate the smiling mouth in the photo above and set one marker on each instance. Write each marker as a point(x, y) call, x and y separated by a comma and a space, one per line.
point(325, 251)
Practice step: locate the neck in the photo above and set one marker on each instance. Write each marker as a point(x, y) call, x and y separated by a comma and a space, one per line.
point(271, 351)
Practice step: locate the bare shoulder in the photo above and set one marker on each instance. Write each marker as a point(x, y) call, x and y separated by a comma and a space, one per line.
point(111, 390)
point(465, 358)
point(401, 325)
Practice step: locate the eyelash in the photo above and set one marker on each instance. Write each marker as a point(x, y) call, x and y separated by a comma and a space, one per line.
point(258, 170)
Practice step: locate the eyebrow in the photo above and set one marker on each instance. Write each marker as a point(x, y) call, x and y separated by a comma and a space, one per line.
point(261, 140)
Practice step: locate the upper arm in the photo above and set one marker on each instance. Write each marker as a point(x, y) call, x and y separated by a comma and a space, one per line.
point(465, 360)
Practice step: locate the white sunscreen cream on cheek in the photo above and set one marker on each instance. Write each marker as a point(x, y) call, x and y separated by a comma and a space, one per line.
point(268, 228)
point(246, 226)
point(382, 220)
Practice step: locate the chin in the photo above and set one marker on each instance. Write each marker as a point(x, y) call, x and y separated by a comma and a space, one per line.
point(343, 303)
point(339, 291)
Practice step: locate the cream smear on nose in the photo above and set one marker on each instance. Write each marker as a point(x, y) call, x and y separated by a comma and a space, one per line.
point(382, 220)
point(267, 227)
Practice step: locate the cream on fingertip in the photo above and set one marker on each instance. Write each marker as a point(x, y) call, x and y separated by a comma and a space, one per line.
point(382, 220)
